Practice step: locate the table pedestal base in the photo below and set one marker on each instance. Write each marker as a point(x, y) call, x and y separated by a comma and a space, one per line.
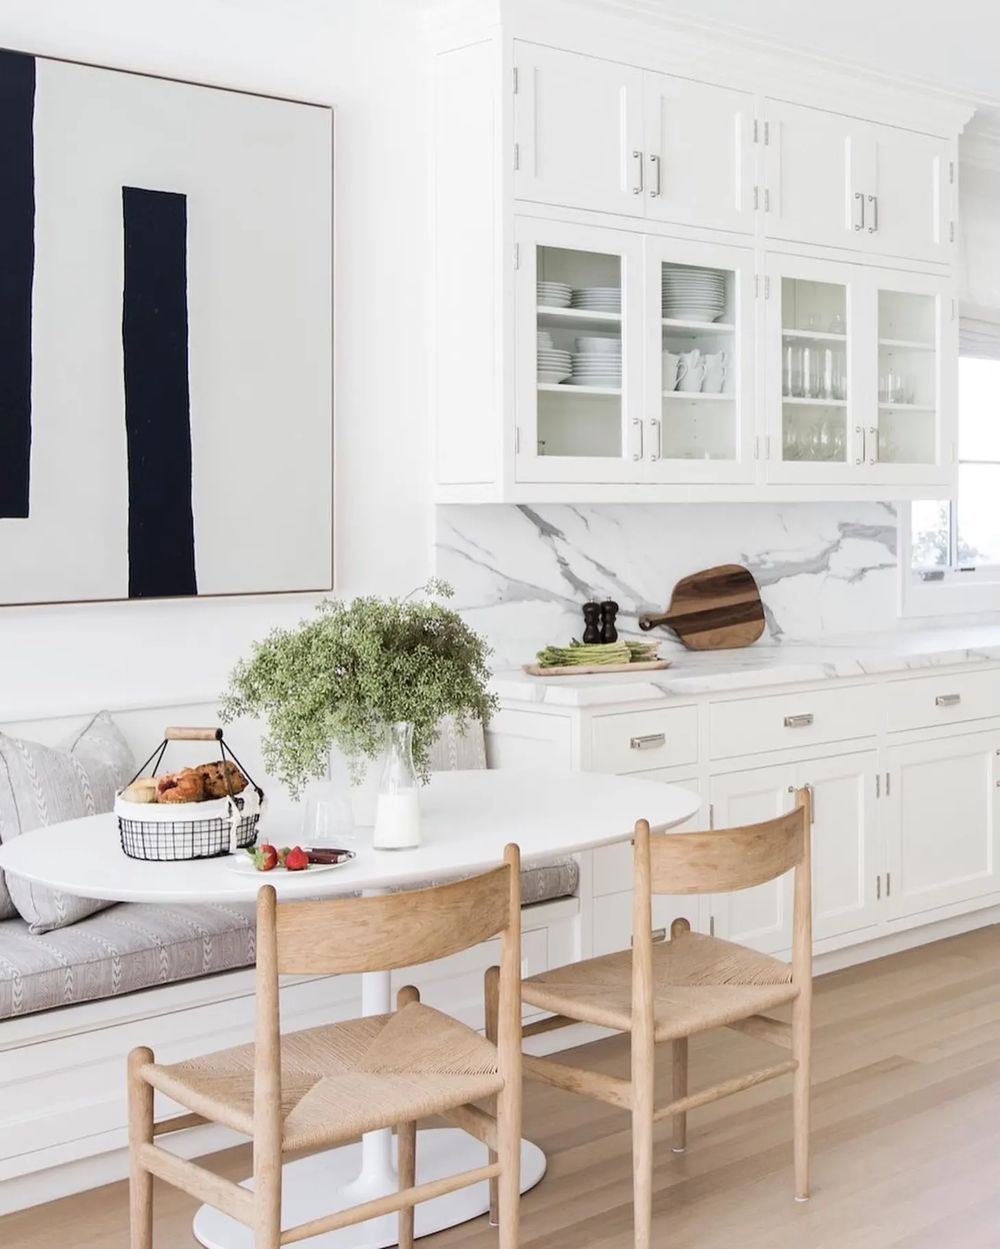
point(326, 1182)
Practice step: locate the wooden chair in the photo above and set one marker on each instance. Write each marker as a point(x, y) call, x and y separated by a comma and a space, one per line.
point(308, 1090)
point(688, 984)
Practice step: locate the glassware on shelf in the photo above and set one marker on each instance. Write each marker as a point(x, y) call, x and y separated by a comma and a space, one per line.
point(812, 372)
point(838, 325)
point(892, 388)
point(791, 373)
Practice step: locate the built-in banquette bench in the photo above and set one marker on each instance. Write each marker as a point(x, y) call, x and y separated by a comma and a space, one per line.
point(74, 998)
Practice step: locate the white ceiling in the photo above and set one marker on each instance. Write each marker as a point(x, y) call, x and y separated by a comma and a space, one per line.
point(954, 46)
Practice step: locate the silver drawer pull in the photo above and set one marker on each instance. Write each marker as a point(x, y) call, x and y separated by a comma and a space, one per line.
point(649, 742)
point(658, 934)
point(947, 700)
point(798, 722)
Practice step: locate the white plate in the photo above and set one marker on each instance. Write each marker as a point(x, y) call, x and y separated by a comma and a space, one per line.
point(552, 377)
point(609, 383)
point(241, 862)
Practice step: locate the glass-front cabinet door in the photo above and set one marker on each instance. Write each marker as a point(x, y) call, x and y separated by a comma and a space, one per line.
point(812, 371)
point(699, 362)
point(578, 359)
point(910, 436)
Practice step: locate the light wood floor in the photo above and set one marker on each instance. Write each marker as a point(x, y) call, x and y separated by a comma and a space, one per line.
point(906, 1143)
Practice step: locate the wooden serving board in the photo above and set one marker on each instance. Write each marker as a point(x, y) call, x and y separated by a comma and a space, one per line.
point(576, 670)
point(718, 609)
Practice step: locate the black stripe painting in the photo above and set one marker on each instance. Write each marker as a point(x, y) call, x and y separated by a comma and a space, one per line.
point(157, 396)
point(17, 267)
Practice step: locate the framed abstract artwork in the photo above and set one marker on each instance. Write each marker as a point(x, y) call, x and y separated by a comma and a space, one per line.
point(165, 337)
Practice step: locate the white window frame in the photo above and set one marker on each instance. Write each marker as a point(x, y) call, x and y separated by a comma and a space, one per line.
point(956, 591)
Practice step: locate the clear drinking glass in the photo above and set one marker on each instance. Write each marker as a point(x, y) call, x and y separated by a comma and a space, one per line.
point(791, 377)
point(812, 372)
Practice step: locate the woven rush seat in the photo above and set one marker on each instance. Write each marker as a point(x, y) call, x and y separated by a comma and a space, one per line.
point(699, 982)
point(340, 1080)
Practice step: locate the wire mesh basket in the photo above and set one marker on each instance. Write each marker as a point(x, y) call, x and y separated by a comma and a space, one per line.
point(190, 830)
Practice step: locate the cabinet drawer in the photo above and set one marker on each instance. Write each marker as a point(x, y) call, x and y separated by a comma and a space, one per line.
point(751, 725)
point(945, 699)
point(636, 741)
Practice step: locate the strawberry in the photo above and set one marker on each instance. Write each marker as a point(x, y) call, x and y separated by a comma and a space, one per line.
point(265, 858)
point(296, 860)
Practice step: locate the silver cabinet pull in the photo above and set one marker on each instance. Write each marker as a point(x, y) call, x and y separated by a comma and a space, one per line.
point(860, 459)
point(637, 188)
point(657, 934)
point(654, 160)
point(658, 431)
point(873, 450)
point(648, 741)
point(799, 722)
point(873, 200)
point(637, 455)
point(859, 198)
point(947, 700)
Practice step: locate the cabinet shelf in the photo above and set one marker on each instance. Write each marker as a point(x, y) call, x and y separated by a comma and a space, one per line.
point(814, 336)
point(700, 396)
point(576, 318)
point(906, 344)
point(814, 403)
point(699, 327)
point(906, 407)
point(561, 388)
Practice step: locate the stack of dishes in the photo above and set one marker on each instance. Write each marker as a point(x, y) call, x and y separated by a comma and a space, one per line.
point(553, 363)
point(691, 294)
point(597, 298)
point(597, 362)
point(554, 294)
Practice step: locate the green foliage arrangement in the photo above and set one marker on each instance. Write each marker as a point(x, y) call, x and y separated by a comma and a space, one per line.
point(354, 668)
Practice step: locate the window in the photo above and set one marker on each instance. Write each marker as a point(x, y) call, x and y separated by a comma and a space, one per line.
point(964, 537)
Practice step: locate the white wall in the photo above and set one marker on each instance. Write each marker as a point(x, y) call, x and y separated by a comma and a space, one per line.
point(365, 58)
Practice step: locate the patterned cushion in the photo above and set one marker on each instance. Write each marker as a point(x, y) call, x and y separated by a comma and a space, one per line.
point(132, 946)
point(41, 785)
point(455, 751)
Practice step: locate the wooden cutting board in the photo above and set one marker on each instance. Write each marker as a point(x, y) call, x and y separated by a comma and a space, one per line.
point(718, 609)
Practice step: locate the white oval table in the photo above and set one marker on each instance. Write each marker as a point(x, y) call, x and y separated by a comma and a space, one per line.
point(466, 820)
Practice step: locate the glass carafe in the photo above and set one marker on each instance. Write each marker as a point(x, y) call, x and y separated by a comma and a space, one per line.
point(397, 816)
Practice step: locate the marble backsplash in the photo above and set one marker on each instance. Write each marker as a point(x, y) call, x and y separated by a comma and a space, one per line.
point(521, 573)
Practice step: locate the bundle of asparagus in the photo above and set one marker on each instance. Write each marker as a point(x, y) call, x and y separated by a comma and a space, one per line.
point(577, 654)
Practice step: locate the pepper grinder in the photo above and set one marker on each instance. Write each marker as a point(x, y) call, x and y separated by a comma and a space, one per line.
point(591, 623)
point(608, 612)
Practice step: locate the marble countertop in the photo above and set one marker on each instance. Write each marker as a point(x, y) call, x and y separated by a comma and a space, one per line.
point(762, 665)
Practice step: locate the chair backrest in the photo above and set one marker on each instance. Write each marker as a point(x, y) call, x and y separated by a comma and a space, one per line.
point(728, 859)
point(378, 934)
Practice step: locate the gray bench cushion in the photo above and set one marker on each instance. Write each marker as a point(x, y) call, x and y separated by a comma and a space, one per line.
point(139, 945)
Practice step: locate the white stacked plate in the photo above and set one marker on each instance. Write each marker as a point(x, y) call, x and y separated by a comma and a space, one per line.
point(554, 365)
point(693, 294)
point(597, 298)
point(598, 363)
point(554, 294)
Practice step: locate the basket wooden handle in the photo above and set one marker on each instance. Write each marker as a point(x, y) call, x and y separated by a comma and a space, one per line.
point(192, 734)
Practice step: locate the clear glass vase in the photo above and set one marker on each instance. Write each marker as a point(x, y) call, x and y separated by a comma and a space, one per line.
point(397, 815)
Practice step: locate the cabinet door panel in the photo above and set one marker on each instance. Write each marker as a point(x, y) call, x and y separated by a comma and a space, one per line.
point(815, 166)
point(699, 153)
point(760, 917)
point(944, 834)
point(577, 123)
point(845, 859)
point(911, 214)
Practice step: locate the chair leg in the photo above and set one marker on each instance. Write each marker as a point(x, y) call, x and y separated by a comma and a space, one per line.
point(642, 1143)
point(802, 1053)
point(679, 1050)
point(140, 1131)
point(491, 1000)
point(509, 1149)
point(406, 1145)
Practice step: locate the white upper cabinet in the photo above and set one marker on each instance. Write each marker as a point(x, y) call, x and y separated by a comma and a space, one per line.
point(842, 182)
point(597, 135)
point(698, 144)
point(578, 131)
point(909, 199)
point(813, 188)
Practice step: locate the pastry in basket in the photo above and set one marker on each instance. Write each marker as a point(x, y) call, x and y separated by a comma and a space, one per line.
point(184, 786)
point(214, 776)
point(143, 790)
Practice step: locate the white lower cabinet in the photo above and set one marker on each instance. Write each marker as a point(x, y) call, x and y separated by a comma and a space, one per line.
point(845, 848)
point(943, 836)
